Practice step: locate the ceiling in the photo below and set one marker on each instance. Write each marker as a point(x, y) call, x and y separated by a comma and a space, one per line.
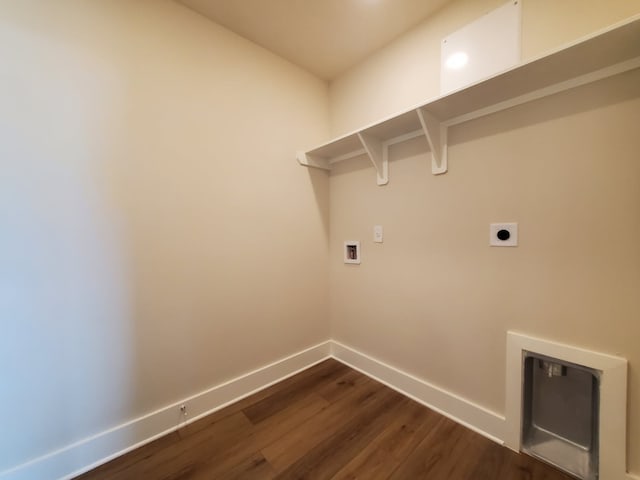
point(325, 37)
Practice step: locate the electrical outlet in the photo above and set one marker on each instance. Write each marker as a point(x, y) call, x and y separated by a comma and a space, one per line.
point(183, 409)
point(503, 234)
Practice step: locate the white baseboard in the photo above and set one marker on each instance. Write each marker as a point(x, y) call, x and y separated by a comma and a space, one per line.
point(485, 422)
point(89, 453)
point(472, 416)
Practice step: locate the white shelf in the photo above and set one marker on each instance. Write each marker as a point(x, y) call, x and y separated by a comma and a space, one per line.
point(610, 52)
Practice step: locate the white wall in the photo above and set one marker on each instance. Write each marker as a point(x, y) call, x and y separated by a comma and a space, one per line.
point(157, 236)
point(434, 299)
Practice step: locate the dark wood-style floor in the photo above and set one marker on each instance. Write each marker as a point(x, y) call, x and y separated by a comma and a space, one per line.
point(328, 422)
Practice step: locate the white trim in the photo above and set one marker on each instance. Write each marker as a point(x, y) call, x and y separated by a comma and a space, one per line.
point(554, 89)
point(479, 419)
point(91, 452)
point(96, 450)
point(613, 397)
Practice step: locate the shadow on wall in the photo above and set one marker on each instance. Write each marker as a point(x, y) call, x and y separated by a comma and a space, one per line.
point(319, 180)
point(65, 287)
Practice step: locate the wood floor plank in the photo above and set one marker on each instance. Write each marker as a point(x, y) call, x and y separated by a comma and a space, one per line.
point(288, 449)
point(254, 467)
point(333, 391)
point(385, 453)
point(326, 458)
point(270, 429)
point(460, 460)
point(425, 460)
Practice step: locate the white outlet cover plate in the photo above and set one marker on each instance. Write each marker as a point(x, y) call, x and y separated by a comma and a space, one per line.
point(512, 228)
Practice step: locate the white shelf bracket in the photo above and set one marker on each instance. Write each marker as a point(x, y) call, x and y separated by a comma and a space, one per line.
point(311, 161)
point(436, 133)
point(378, 155)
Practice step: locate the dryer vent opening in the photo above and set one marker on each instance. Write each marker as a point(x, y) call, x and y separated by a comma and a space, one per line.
point(561, 414)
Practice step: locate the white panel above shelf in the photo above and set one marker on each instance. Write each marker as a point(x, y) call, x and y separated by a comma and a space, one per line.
point(486, 46)
point(613, 51)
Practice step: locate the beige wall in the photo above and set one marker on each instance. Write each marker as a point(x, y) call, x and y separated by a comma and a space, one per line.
point(434, 299)
point(157, 236)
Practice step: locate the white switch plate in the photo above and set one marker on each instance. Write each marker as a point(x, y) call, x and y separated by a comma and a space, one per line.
point(377, 233)
point(496, 230)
